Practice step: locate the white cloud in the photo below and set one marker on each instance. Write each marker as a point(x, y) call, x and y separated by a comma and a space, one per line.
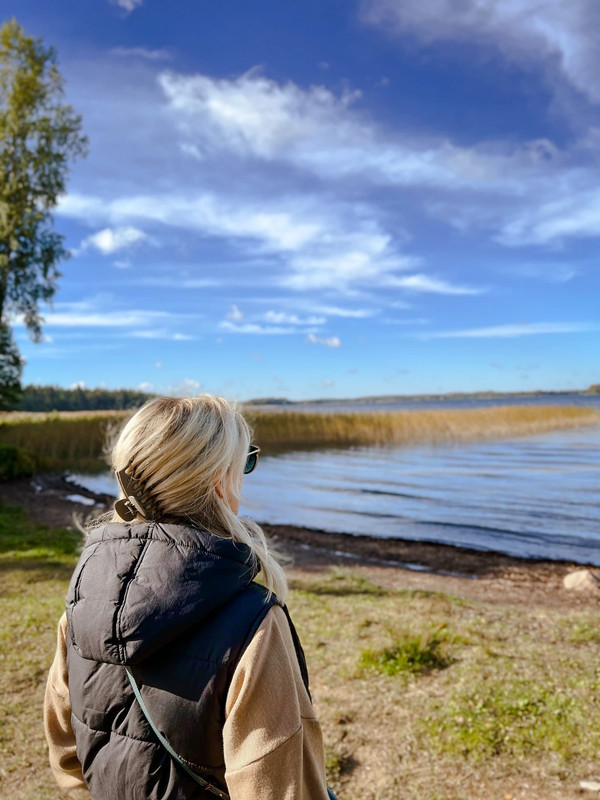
point(145, 386)
point(332, 341)
point(123, 263)
point(561, 34)
point(254, 328)
point(99, 312)
point(572, 213)
point(284, 318)
point(177, 282)
point(269, 322)
point(337, 246)
point(128, 5)
point(140, 52)
point(111, 240)
point(104, 319)
point(425, 283)
point(495, 186)
point(183, 337)
point(234, 314)
point(162, 333)
point(510, 331)
point(349, 313)
point(313, 129)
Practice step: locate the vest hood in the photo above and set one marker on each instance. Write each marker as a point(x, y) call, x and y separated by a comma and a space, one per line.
point(138, 587)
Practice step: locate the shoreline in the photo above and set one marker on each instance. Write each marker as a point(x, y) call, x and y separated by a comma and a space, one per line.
point(394, 563)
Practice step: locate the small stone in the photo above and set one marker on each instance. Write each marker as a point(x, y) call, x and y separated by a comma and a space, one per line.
point(591, 786)
point(582, 580)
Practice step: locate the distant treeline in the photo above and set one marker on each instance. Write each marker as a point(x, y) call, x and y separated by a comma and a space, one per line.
point(55, 398)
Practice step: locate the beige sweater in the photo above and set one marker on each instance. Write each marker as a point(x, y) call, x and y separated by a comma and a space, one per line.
point(271, 739)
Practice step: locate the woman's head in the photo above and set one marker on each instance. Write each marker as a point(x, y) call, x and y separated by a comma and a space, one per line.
point(187, 456)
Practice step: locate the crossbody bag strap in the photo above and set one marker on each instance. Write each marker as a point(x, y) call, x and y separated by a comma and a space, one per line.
point(198, 778)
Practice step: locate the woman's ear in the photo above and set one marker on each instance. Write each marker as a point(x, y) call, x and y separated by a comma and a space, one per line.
point(219, 489)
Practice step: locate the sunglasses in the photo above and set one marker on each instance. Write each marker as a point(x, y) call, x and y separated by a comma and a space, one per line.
point(251, 459)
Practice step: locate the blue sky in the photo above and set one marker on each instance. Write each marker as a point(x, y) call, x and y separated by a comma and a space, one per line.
point(327, 199)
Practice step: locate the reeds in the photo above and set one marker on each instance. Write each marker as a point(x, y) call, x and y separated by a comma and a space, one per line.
point(293, 430)
point(77, 440)
point(62, 440)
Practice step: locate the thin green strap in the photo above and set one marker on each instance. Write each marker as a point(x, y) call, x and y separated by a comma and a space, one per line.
point(204, 783)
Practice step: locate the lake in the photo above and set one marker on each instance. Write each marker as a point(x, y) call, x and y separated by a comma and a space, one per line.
point(534, 496)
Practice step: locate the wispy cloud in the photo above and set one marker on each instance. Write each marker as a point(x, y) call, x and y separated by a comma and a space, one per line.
point(426, 283)
point(562, 35)
point(127, 5)
point(339, 247)
point(331, 341)
point(284, 318)
point(162, 333)
point(501, 187)
point(105, 319)
point(349, 313)
point(234, 314)
point(314, 129)
point(100, 312)
point(514, 330)
point(255, 328)
point(140, 52)
point(269, 322)
point(111, 240)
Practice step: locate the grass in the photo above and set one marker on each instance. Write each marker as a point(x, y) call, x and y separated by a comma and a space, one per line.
point(77, 439)
point(289, 429)
point(421, 695)
point(35, 566)
point(62, 440)
point(409, 655)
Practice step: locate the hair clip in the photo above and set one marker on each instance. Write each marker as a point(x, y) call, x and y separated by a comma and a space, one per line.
point(135, 501)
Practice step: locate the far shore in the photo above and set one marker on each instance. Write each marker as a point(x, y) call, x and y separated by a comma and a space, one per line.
point(394, 563)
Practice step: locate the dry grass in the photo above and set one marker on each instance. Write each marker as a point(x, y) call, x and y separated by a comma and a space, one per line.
point(62, 440)
point(511, 710)
point(76, 440)
point(291, 429)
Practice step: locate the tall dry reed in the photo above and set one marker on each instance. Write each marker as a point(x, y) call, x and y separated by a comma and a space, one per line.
point(62, 440)
point(77, 439)
point(291, 429)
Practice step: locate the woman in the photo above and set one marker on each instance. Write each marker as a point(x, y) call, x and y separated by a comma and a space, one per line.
point(163, 609)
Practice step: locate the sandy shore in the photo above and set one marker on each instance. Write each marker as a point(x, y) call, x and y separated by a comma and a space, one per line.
point(394, 563)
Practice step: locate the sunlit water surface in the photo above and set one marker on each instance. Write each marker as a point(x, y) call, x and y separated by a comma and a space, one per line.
point(536, 496)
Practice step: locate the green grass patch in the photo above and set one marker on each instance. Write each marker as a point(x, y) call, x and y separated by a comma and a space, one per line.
point(409, 655)
point(22, 539)
point(340, 583)
point(518, 716)
point(36, 562)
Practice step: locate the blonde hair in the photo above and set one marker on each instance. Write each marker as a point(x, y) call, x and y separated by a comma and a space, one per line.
point(188, 454)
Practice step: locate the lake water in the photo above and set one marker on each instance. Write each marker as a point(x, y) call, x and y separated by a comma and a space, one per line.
point(535, 496)
point(442, 401)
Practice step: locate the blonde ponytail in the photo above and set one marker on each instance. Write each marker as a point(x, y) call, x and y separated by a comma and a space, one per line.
point(188, 454)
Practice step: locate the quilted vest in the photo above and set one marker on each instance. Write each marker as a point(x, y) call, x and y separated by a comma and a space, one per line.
point(179, 606)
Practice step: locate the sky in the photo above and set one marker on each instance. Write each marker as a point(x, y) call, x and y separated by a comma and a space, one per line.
point(326, 199)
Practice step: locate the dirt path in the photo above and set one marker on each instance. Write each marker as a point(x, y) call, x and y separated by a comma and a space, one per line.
point(479, 575)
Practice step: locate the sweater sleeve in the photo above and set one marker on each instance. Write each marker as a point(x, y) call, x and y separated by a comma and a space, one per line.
point(272, 740)
point(57, 722)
